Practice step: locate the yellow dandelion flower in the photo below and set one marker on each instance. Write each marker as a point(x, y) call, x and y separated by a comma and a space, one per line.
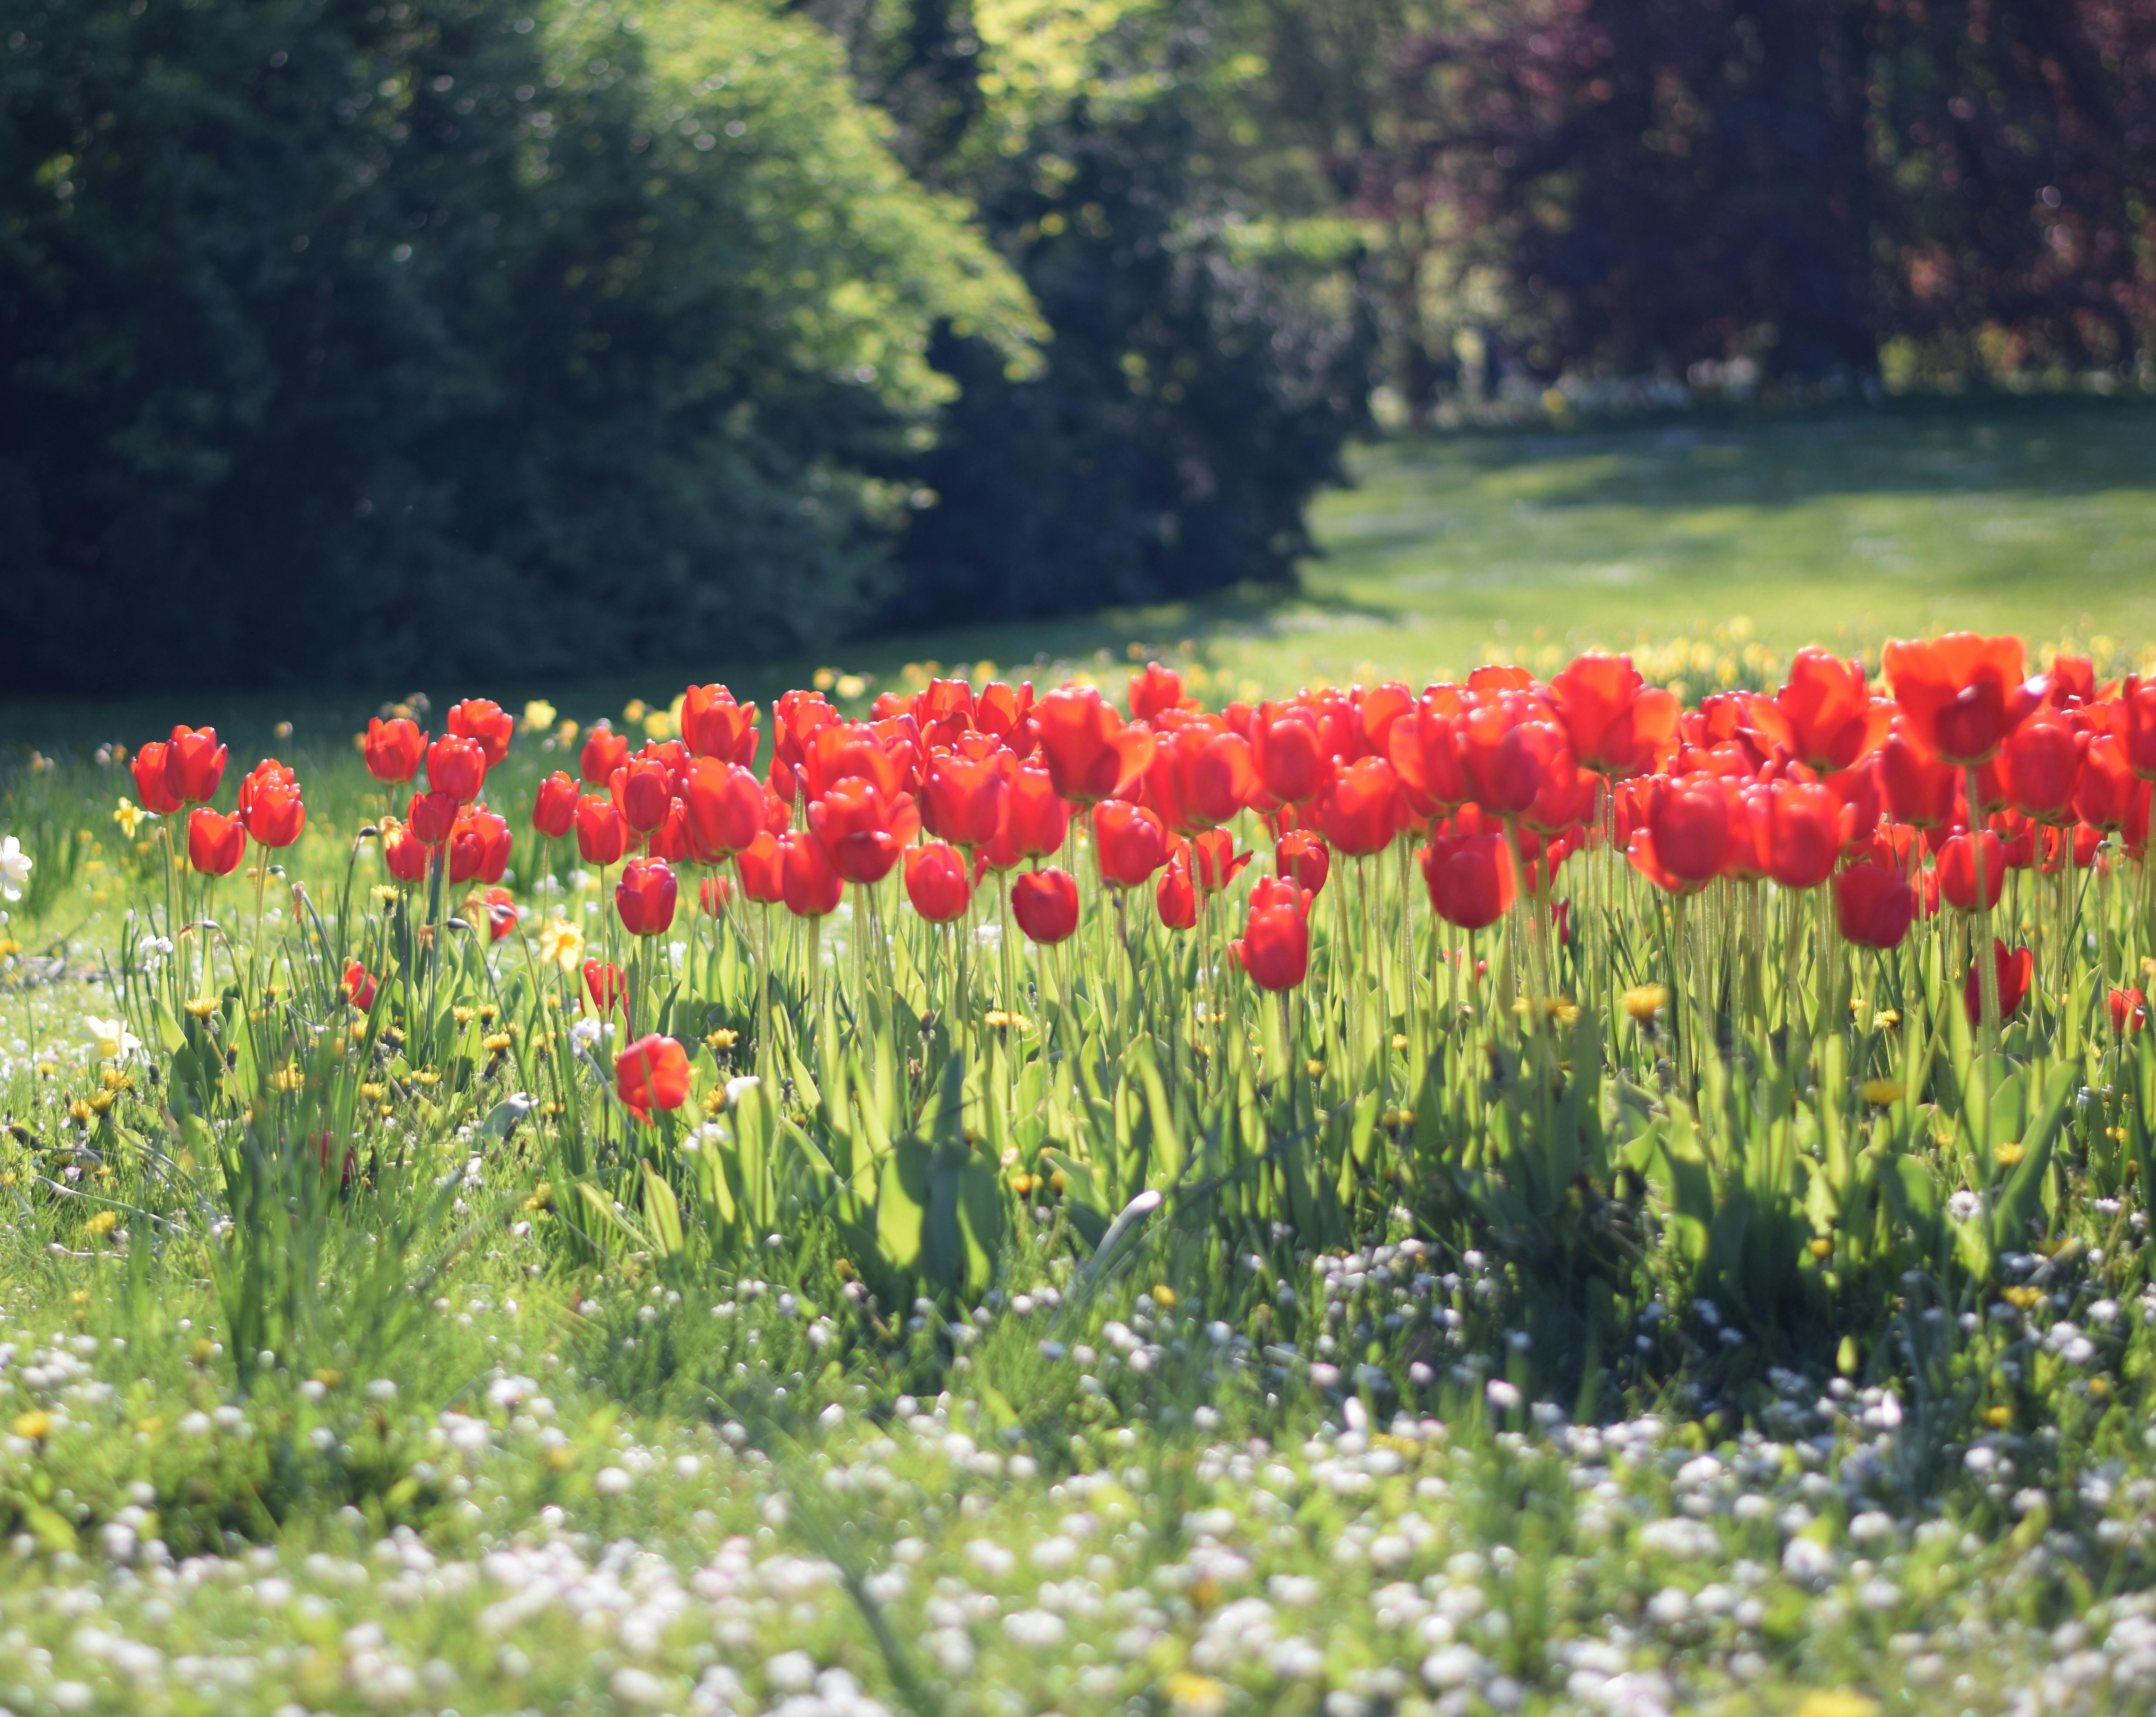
point(34, 1426)
point(2007, 1155)
point(1879, 1092)
point(1643, 1001)
point(101, 1224)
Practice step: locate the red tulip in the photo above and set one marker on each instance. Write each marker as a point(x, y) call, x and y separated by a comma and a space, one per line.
point(1214, 860)
point(652, 1073)
point(274, 814)
point(2041, 765)
point(936, 881)
point(456, 766)
point(486, 723)
point(604, 752)
point(1275, 945)
point(194, 765)
point(716, 727)
point(554, 810)
point(1156, 689)
point(1824, 716)
point(811, 884)
point(2136, 725)
point(1471, 879)
point(2015, 971)
point(358, 986)
point(1507, 755)
point(393, 749)
point(2070, 682)
point(1130, 841)
point(643, 790)
point(499, 909)
point(862, 830)
point(150, 779)
point(1376, 711)
point(725, 806)
point(796, 718)
point(1175, 895)
point(216, 843)
point(1803, 833)
point(1918, 790)
point(1290, 757)
point(1616, 724)
point(762, 867)
point(605, 984)
point(1961, 695)
point(1303, 859)
point(1873, 905)
point(1200, 776)
point(1687, 837)
point(479, 846)
point(713, 893)
point(430, 816)
point(1034, 823)
point(1957, 868)
point(1423, 746)
point(1359, 807)
point(644, 897)
point(1045, 904)
point(2129, 1011)
point(601, 832)
point(966, 800)
point(2105, 792)
point(404, 852)
point(1090, 753)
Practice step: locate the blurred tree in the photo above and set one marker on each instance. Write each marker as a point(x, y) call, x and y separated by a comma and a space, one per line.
point(453, 336)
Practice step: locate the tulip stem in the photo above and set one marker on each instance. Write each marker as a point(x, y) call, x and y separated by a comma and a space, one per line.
point(1987, 967)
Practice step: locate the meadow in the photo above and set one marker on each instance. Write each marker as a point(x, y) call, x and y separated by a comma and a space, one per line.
point(1517, 1192)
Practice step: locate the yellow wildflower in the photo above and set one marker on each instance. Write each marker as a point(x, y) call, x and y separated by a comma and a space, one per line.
point(1879, 1092)
point(101, 1224)
point(1836, 1702)
point(36, 1425)
point(538, 716)
point(129, 815)
point(2007, 1155)
point(561, 943)
point(1643, 1001)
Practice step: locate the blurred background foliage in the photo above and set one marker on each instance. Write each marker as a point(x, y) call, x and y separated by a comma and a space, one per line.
point(521, 338)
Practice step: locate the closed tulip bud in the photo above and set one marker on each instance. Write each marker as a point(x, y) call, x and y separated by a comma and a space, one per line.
point(216, 843)
point(1687, 838)
point(1918, 790)
point(812, 885)
point(1274, 947)
point(2041, 767)
point(1472, 878)
point(486, 724)
point(456, 766)
point(762, 867)
point(643, 790)
point(604, 752)
point(194, 765)
point(715, 727)
point(2137, 725)
point(2105, 794)
point(1873, 905)
point(1959, 860)
point(1304, 859)
point(1175, 895)
point(358, 986)
point(1045, 904)
point(1290, 757)
point(652, 1073)
point(2015, 972)
point(430, 817)
point(554, 810)
point(393, 749)
point(726, 807)
point(151, 781)
point(1035, 823)
point(605, 984)
point(1802, 833)
point(601, 834)
point(274, 815)
point(2129, 1011)
point(936, 881)
point(479, 846)
point(1130, 841)
point(646, 896)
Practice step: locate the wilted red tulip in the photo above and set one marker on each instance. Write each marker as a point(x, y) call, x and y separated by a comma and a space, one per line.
point(1129, 842)
point(1090, 754)
point(1358, 807)
point(1045, 904)
point(194, 765)
point(1154, 689)
point(1291, 762)
point(1686, 835)
point(642, 789)
point(1617, 725)
point(862, 830)
point(1957, 867)
point(554, 810)
point(1175, 895)
point(150, 779)
point(1961, 695)
point(715, 725)
point(762, 867)
point(1873, 905)
point(2015, 971)
point(966, 800)
point(652, 1073)
point(479, 846)
point(1275, 945)
point(456, 766)
point(274, 814)
point(811, 884)
point(602, 833)
point(404, 852)
point(2040, 766)
point(430, 816)
point(358, 986)
point(1304, 859)
point(216, 843)
point(486, 723)
point(1471, 879)
point(393, 749)
point(2129, 1011)
point(644, 897)
point(604, 752)
point(605, 984)
point(1803, 833)
point(938, 881)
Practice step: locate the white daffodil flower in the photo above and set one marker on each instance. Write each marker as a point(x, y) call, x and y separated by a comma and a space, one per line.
point(115, 1041)
point(15, 867)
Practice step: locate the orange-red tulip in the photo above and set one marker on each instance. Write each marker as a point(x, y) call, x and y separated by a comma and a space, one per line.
point(486, 723)
point(404, 852)
point(1275, 945)
point(602, 834)
point(646, 896)
point(1359, 808)
point(1129, 842)
point(216, 843)
point(1423, 746)
point(1824, 716)
point(2136, 725)
point(150, 779)
point(1154, 689)
point(725, 804)
point(194, 765)
point(1686, 835)
point(1961, 695)
point(1802, 833)
point(554, 810)
point(1045, 904)
point(1471, 879)
point(498, 906)
point(1304, 859)
point(430, 816)
point(604, 752)
point(811, 884)
point(2108, 787)
point(1873, 905)
point(862, 830)
point(1090, 754)
point(2129, 1011)
point(358, 986)
point(1508, 753)
point(1957, 868)
point(274, 815)
point(1214, 860)
point(393, 749)
point(606, 985)
point(2015, 971)
point(2040, 768)
point(966, 800)
point(479, 846)
point(652, 1073)
point(456, 766)
point(1918, 790)
point(1617, 725)
point(716, 727)
point(714, 892)
point(938, 881)
point(762, 867)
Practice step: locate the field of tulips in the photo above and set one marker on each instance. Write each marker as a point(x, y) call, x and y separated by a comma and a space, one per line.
point(1511, 1194)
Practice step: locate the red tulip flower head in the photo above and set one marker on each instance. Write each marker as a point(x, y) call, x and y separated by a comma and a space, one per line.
point(554, 810)
point(274, 814)
point(1962, 695)
point(1155, 690)
point(479, 846)
point(966, 800)
point(1213, 860)
point(194, 765)
point(725, 803)
point(646, 896)
point(762, 867)
point(358, 986)
point(456, 766)
point(1289, 755)
point(498, 907)
point(149, 780)
point(1275, 945)
point(393, 749)
point(403, 851)
point(2015, 971)
point(604, 752)
point(1090, 753)
point(1175, 895)
point(1687, 836)
point(1130, 841)
point(1802, 833)
point(863, 829)
point(2137, 725)
point(486, 723)
point(1824, 716)
point(602, 834)
point(1471, 879)
point(1873, 905)
point(811, 883)
point(2129, 1011)
point(430, 817)
point(938, 881)
point(642, 789)
point(216, 843)
point(1618, 726)
point(1359, 807)
point(1304, 860)
point(1958, 867)
point(715, 725)
point(605, 984)
point(1045, 904)
point(652, 1073)
point(1037, 820)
